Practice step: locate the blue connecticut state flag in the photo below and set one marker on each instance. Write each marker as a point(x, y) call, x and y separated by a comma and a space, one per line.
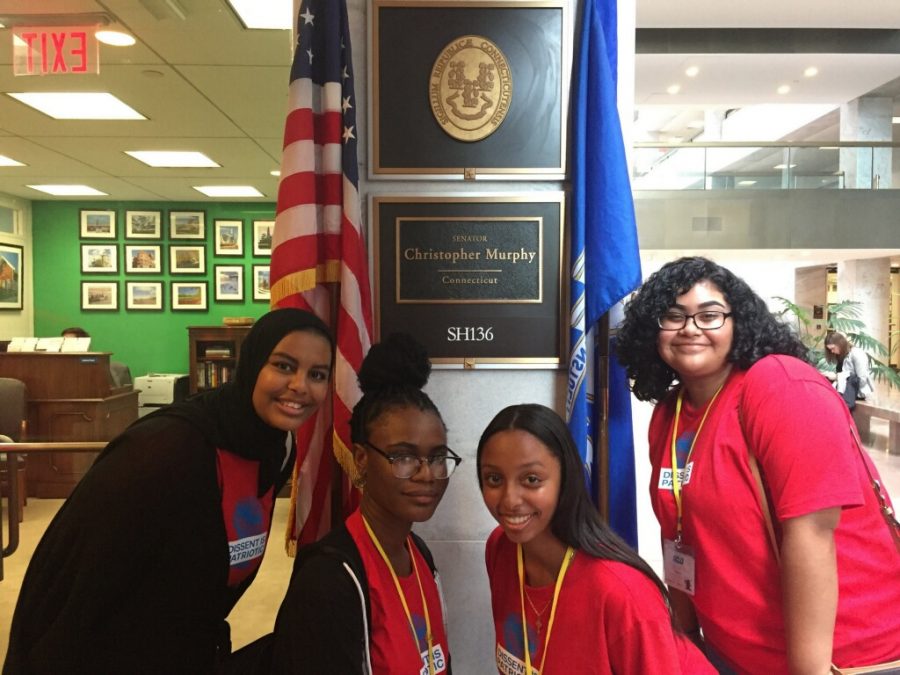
point(605, 261)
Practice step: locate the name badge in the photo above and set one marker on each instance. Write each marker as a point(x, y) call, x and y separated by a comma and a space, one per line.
point(678, 566)
point(440, 661)
point(684, 477)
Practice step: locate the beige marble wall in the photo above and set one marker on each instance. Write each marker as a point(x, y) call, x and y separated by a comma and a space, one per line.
point(868, 281)
point(811, 289)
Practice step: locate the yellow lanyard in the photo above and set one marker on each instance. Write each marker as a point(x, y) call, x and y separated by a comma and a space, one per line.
point(676, 483)
point(412, 626)
point(520, 563)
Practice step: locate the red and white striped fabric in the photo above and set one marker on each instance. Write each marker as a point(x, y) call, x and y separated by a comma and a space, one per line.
point(319, 259)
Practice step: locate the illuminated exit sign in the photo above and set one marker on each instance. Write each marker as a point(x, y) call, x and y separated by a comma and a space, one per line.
point(55, 50)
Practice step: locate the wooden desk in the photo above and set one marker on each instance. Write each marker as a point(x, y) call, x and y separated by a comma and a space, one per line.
point(70, 398)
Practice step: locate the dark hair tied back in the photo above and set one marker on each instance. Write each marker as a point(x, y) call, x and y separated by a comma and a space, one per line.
point(391, 376)
point(398, 361)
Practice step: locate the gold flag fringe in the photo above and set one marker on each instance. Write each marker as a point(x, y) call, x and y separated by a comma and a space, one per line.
point(304, 280)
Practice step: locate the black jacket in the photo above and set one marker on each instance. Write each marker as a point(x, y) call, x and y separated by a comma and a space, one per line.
point(131, 575)
point(323, 623)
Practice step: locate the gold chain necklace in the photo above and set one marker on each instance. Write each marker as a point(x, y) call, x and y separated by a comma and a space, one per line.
point(539, 615)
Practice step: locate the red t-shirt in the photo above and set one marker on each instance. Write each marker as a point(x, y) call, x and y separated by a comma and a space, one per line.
point(799, 430)
point(610, 618)
point(391, 642)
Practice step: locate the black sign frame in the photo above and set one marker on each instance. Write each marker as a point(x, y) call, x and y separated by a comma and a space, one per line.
point(405, 39)
point(416, 238)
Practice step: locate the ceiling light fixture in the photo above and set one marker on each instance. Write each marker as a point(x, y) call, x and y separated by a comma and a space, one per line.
point(692, 71)
point(78, 105)
point(812, 71)
point(784, 89)
point(275, 172)
point(746, 182)
point(9, 161)
point(673, 89)
point(68, 190)
point(267, 15)
point(115, 38)
point(895, 120)
point(784, 166)
point(173, 159)
point(229, 190)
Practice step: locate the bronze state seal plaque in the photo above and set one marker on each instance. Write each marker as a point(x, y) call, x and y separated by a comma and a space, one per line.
point(470, 88)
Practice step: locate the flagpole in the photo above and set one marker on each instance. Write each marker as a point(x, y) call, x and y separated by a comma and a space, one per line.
point(601, 405)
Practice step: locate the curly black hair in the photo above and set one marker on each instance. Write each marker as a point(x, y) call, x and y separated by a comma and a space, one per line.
point(391, 376)
point(757, 332)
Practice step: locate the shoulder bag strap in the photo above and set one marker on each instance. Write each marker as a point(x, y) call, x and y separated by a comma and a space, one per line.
point(764, 502)
point(884, 504)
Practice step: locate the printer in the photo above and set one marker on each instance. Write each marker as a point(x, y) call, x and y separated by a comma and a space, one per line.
point(158, 389)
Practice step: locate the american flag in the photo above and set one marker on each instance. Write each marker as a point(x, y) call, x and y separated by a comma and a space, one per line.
point(319, 257)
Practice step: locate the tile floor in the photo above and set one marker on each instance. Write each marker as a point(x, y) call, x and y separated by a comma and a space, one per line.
point(255, 613)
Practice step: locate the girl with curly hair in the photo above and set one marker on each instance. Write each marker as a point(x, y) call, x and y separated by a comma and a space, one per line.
point(734, 394)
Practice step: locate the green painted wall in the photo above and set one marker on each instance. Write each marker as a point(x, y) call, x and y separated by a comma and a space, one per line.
point(148, 341)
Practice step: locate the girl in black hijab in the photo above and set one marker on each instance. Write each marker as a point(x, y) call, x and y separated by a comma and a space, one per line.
point(163, 535)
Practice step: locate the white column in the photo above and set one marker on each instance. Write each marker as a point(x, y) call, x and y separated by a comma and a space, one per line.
point(868, 281)
point(866, 119)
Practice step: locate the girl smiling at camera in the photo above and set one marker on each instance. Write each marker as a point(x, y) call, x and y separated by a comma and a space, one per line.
point(568, 595)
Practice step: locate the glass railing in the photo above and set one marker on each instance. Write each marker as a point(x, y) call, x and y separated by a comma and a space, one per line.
point(764, 166)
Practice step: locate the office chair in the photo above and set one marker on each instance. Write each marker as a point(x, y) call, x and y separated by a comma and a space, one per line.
point(120, 374)
point(12, 430)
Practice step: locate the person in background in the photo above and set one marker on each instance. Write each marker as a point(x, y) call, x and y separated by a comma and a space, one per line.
point(142, 564)
point(75, 332)
point(366, 598)
point(854, 382)
point(787, 571)
point(568, 595)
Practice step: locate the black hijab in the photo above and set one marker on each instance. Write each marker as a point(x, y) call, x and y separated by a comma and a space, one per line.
point(226, 416)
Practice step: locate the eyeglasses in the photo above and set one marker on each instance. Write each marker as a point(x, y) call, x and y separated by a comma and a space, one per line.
point(406, 465)
point(707, 320)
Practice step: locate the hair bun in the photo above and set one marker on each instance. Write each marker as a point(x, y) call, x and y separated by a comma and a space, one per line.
point(398, 361)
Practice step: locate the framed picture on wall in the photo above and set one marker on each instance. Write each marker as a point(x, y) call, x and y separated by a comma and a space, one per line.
point(189, 295)
point(101, 296)
point(11, 277)
point(143, 259)
point(261, 289)
point(187, 225)
point(98, 224)
point(144, 295)
point(262, 236)
point(229, 237)
point(143, 224)
point(229, 280)
point(99, 258)
point(187, 259)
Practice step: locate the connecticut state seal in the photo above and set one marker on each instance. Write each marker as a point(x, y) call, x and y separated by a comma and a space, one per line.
point(470, 89)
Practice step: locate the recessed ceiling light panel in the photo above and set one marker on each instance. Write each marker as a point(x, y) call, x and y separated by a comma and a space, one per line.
point(173, 159)
point(78, 105)
point(9, 161)
point(784, 89)
point(692, 71)
point(273, 14)
point(68, 190)
point(115, 38)
point(673, 89)
point(812, 71)
point(229, 190)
